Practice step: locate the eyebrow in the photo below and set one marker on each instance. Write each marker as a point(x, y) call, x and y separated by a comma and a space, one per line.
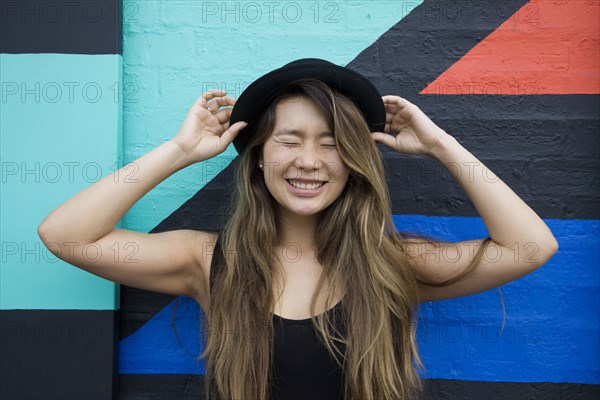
point(296, 132)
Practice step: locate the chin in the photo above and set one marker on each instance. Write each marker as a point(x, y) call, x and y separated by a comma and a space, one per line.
point(305, 212)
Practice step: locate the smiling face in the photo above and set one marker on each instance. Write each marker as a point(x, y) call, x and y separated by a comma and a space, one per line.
point(302, 168)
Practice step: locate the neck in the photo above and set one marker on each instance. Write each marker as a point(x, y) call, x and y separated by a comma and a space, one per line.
point(297, 230)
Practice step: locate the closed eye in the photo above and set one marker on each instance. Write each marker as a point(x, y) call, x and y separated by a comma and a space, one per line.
point(287, 143)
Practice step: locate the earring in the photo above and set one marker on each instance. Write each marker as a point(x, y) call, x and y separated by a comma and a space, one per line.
point(260, 166)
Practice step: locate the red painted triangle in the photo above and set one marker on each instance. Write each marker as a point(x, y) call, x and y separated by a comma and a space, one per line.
point(546, 47)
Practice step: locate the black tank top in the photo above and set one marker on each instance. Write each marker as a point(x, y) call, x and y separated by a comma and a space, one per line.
point(303, 368)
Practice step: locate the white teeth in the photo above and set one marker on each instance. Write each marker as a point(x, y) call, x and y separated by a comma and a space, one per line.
point(306, 186)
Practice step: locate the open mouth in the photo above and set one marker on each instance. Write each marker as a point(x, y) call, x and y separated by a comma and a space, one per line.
point(306, 185)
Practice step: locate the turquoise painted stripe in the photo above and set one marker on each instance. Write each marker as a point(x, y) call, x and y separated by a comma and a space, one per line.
point(61, 128)
point(551, 331)
point(177, 49)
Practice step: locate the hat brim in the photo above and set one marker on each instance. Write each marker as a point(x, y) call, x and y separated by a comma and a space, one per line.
point(257, 96)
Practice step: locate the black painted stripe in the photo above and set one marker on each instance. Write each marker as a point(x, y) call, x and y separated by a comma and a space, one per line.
point(65, 27)
point(443, 389)
point(71, 353)
point(181, 387)
point(431, 38)
point(164, 387)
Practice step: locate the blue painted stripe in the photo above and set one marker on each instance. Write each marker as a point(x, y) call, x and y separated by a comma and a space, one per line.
point(550, 335)
point(552, 315)
point(154, 349)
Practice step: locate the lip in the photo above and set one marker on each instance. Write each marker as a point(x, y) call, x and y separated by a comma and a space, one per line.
point(305, 192)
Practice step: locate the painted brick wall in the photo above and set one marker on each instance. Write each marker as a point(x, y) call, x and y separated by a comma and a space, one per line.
point(516, 82)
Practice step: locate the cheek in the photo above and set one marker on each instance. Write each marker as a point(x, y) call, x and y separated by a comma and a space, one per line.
point(339, 170)
point(279, 156)
point(343, 177)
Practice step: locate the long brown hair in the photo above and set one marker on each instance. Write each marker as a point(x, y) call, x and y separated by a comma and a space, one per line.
point(359, 249)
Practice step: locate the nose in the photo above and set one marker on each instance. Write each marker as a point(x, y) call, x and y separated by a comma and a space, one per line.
point(308, 158)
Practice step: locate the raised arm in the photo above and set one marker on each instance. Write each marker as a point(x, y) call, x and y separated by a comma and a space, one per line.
point(82, 230)
point(521, 241)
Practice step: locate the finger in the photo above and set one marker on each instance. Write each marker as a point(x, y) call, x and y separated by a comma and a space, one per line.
point(230, 134)
point(214, 105)
point(389, 118)
point(391, 108)
point(385, 139)
point(405, 108)
point(395, 120)
point(401, 102)
point(206, 96)
point(224, 115)
point(219, 102)
point(394, 112)
point(394, 128)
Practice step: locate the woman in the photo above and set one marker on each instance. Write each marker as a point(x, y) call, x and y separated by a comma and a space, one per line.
point(315, 293)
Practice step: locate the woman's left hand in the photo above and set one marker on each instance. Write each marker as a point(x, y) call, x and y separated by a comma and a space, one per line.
point(416, 133)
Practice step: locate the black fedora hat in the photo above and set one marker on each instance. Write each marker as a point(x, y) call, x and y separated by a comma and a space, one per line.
point(257, 96)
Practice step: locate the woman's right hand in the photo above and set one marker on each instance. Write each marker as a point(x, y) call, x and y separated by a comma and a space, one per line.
point(205, 132)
